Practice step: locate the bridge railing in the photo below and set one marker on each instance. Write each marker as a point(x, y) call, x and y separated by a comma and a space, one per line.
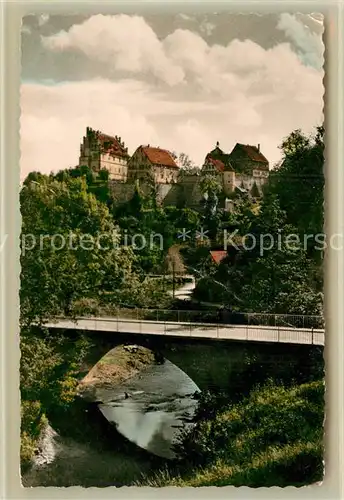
point(223, 317)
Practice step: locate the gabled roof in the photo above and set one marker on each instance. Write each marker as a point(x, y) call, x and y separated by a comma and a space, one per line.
point(218, 255)
point(112, 145)
point(219, 159)
point(159, 156)
point(109, 144)
point(218, 164)
point(217, 151)
point(252, 152)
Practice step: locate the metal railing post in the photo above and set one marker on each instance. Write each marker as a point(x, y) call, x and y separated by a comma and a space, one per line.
point(247, 325)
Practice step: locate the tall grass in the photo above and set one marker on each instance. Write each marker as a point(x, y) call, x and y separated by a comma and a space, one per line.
point(274, 437)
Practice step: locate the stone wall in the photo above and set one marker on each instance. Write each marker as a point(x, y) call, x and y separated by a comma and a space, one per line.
point(122, 192)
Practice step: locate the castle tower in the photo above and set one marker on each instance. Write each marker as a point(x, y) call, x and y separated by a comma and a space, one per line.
point(100, 151)
point(228, 182)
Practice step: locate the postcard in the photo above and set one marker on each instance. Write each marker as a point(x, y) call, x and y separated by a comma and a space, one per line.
point(172, 248)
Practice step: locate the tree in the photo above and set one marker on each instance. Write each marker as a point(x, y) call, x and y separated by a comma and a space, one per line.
point(211, 189)
point(97, 184)
point(69, 248)
point(186, 165)
point(174, 264)
point(263, 273)
point(70, 251)
point(299, 181)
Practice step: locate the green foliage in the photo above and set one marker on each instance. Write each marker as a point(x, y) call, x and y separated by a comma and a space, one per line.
point(49, 371)
point(299, 181)
point(77, 279)
point(264, 271)
point(48, 367)
point(76, 251)
point(33, 421)
point(97, 184)
point(211, 189)
point(271, 438)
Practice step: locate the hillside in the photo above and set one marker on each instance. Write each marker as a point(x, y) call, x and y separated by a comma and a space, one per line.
point(272, 438)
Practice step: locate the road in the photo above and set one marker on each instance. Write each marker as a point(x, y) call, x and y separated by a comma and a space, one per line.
point(184, 292)
point(196, 330)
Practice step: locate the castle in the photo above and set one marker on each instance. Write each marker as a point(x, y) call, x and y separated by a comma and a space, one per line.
point(100, 151)
point(244, 170)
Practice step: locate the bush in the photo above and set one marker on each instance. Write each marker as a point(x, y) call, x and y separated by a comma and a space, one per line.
point(32, 422)
point(49, 373)
point(85, 307)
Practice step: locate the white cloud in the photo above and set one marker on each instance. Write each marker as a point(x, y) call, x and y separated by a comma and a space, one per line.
point(309, 43)
point(128, 43)
point(125, 42)
point(185, 17)
point(43, 19)
point(199, 94)
point(207, 28)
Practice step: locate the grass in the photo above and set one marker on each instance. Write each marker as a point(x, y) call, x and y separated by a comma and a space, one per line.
point(272, 438)
point(276, 466)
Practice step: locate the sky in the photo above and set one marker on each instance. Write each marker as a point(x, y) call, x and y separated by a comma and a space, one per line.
point(172, 80)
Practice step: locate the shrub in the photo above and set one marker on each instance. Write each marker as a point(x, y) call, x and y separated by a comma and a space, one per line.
point(32, 422)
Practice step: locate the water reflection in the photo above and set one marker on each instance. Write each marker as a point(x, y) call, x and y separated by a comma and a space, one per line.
point(152, 407)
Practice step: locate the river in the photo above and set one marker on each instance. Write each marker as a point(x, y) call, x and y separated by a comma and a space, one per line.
point(150, 409)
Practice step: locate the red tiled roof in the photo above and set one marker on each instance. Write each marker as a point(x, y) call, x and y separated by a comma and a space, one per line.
point(218, 255)
point(218, 164)
point(112, 145)
point(253, 153)
point(159, 156)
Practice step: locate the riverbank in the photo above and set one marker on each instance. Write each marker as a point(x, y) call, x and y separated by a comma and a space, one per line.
point(79, 446)
point(274, 437)
point(118, 365)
